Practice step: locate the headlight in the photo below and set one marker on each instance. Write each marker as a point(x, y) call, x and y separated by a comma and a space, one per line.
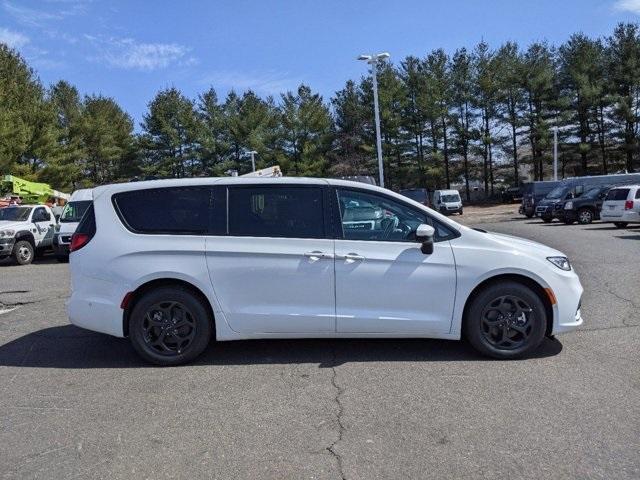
point(7, 233)
point(560, 262)
point(568, 206)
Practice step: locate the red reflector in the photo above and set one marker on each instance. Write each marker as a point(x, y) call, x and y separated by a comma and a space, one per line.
point(78, 240)
point(628, 205)
point(126, 300)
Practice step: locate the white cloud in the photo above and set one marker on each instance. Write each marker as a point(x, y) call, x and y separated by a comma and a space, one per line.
point(266, 83)
point(13, 39)
point(632, 6)
point(30, 16)
point(127, 53)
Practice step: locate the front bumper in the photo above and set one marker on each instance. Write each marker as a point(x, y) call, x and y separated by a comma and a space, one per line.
point(61, 244)
point(6, 246)
point(566, 312)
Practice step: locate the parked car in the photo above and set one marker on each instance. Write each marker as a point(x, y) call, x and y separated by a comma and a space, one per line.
point(584, 209)
point(420, 195)
point(571, 188)
point(622, 206)
point(533, 192)
point(69, 219)
point(24, 231)
point(447, 201)
point(173, 263)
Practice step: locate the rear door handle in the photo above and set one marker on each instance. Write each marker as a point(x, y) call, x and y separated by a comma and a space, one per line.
point(351, 257)
point(317, 255)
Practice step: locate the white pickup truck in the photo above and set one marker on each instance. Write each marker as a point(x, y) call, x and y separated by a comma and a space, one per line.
point(24, 231)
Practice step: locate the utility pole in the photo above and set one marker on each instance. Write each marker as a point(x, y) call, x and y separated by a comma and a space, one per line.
point(373, 61)
point(555, 153)
point(253, 160)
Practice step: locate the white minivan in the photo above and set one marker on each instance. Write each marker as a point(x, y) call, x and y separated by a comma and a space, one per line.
point(621, 206)
point(172, 264)
point(68, 221)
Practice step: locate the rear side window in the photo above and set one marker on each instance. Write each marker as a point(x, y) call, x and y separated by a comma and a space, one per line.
point(87, 224)
point(172, 210)
point(618, 194)
point(265, 211)
point(638, 193)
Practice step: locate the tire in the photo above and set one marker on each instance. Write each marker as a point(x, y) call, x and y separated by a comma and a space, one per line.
point(154, 317)
point(568, 222)
point(23, 252)
point(62, 258)
point(460, 212)
point(585, 216)
point(505, 337)
point(547, 219)
point(620, 224)
point(528, 215)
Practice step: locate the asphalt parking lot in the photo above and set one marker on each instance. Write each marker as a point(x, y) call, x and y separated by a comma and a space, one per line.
point(81, 404)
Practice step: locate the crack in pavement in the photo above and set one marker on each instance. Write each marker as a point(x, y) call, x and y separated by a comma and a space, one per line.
point(624, 299)
point(339, 391)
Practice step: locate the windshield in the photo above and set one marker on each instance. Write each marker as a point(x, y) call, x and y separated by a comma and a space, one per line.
point(556, 193)
point(593, 193)
point(14, 214)
point(73, 211)
point(451, 198)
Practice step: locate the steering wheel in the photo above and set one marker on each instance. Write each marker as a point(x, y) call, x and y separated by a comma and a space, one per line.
point(390, 227)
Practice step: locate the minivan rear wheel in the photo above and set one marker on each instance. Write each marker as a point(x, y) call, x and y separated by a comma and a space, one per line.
point(585, 216)
point(170, 326)
point(505, 320)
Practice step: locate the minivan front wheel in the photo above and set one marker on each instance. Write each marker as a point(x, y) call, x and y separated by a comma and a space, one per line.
point(170, 326)
point(505, 320)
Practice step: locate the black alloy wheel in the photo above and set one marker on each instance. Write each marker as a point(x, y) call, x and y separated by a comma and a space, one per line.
point(170, 325)
point(169, 328)
point(507, 322)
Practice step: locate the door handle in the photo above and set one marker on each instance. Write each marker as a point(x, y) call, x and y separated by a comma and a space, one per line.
point(351, 257)
point(317, 255)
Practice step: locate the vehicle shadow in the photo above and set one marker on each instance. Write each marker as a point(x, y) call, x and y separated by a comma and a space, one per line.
point(73, 348)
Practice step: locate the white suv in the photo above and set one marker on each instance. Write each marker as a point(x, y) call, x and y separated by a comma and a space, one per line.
point(173, 263)
point(622, 206)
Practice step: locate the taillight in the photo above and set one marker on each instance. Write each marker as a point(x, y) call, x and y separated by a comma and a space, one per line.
point(628, 205)
point(85, 231)
point(78, 240)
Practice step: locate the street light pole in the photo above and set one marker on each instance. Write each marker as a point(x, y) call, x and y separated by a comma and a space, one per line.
point(253, 160)
point(555, 153)
point(373, 61)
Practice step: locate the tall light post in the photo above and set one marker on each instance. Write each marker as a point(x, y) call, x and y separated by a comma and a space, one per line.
point(253, 153)
point(373, 61)
point(555, 153)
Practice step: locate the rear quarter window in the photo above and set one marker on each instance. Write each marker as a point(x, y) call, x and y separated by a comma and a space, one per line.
point(173, 210)
point(618, 194)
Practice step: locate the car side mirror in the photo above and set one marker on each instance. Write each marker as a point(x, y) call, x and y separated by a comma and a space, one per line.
point(425, 234)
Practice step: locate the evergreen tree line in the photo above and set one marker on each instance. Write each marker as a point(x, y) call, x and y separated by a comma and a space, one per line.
point(482, 114)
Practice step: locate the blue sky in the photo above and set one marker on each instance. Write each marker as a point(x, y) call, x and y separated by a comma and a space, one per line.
point(129, 50)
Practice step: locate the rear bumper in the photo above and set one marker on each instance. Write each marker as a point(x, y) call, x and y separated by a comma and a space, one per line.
point(628, 216)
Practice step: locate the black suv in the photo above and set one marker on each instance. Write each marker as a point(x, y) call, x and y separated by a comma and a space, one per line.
point(584, 209)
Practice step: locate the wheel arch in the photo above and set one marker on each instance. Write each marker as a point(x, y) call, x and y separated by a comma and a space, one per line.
point(26, 235)
point(518, 278)
point(139, 292)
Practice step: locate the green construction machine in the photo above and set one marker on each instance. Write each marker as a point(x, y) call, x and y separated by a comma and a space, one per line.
point(29, 192)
